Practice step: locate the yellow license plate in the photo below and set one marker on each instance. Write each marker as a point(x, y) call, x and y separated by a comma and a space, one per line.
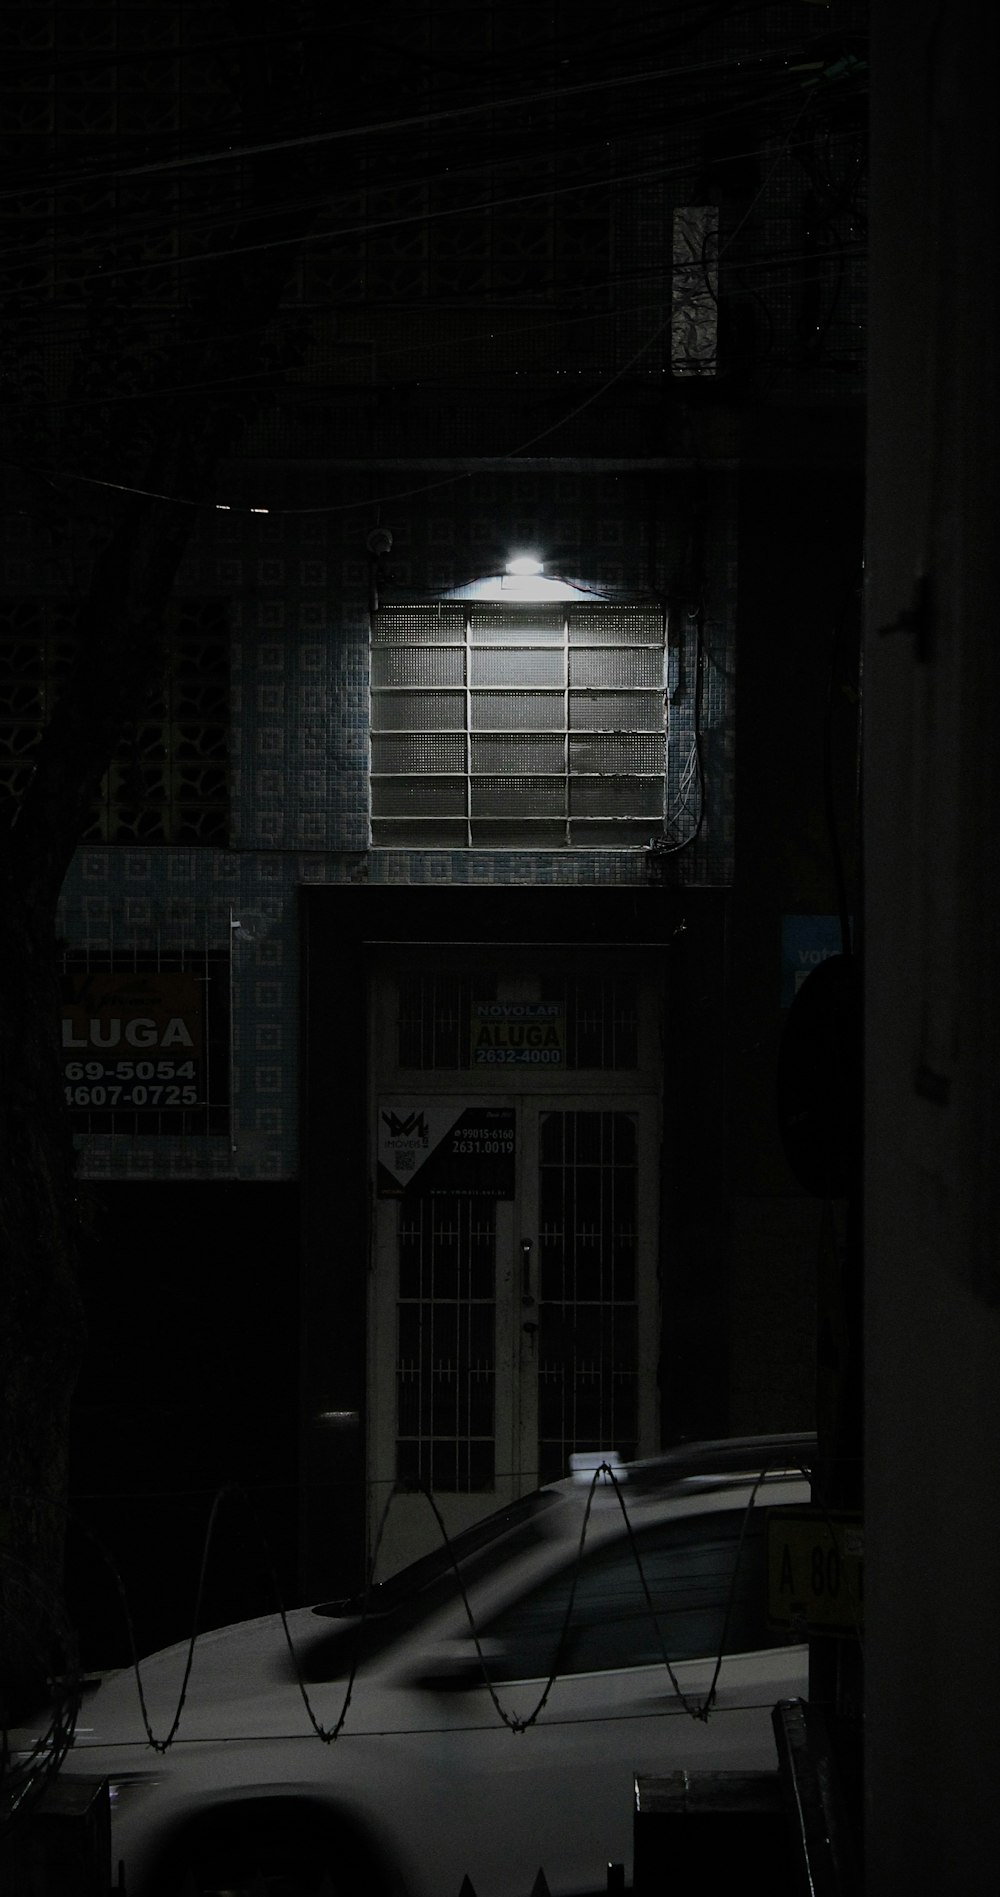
point(815, 1571)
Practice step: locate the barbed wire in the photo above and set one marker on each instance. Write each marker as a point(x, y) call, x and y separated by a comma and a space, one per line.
point(41, 1629)
point(24, 1775)
point(696, 1707)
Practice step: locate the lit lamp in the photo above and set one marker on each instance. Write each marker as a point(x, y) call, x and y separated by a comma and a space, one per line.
point(523, 579)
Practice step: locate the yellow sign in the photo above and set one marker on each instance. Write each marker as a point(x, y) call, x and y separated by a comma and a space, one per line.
point(815, 1571)
point(133, 1039)
point(518, 1033)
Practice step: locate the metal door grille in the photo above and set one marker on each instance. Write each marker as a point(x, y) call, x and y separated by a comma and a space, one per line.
point(446, 1344)
point(517, 726)
point(588, 1250)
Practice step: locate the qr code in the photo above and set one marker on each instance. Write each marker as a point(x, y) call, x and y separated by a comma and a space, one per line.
point(405, 1161)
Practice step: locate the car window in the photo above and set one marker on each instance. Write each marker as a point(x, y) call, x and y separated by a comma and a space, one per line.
point(396, 1606)
point(495, 1537)
point(694, 1580)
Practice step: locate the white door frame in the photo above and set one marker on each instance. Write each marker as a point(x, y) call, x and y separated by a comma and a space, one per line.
point(411, 1525)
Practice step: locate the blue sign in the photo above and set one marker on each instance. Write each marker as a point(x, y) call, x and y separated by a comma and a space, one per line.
point(805, 942)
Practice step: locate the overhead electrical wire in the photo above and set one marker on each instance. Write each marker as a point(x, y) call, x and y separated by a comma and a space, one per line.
point(390, 355)
point(121, 223)
point(177, 222)
point(51, 259)
point(341, 507)
point(406, 124)
point(55, 60)
point(426, 487)
point(35, 251)
point(165, 319)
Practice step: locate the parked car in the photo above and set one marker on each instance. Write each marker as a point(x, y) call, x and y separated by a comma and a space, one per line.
point(455, 1754)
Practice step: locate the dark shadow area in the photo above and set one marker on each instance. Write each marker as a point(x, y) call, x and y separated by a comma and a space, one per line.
point(189, 1385)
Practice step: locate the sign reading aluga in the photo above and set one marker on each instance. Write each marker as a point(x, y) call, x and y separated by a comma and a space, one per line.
point(518, 1033)
point(426, 1146)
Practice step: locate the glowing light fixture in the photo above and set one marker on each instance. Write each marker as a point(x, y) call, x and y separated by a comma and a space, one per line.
point(523, 581)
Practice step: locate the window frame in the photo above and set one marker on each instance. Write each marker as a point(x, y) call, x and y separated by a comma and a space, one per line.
point(469, 749)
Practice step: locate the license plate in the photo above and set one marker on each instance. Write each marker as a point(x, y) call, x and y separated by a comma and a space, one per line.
point(815, 1571)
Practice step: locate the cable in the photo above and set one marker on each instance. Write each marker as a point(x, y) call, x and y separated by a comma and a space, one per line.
point(403, 351)
point(407, 124)
point(659, 847)
point(76, 59)
point(338, 507)
point(241, 209)
point(367, 228)
point(586, 138)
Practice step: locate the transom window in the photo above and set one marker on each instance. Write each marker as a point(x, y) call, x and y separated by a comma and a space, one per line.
point(507, 726)
point(553, 1019)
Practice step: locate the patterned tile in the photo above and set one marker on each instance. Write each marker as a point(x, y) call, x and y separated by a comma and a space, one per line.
point(299, 784)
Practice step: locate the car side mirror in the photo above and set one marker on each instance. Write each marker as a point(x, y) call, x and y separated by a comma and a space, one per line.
point(456, 1667)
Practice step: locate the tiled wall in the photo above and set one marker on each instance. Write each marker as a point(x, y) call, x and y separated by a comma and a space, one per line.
point(298, 591)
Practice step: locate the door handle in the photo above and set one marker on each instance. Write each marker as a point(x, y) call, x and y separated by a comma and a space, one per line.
point(526, 1297)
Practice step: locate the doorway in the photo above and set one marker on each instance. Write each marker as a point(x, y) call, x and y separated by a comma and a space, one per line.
point(513, 1310)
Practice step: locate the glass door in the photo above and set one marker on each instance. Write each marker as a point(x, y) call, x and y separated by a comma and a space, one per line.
point(514, 1307)
point(443, 1351)
point(586, 1208)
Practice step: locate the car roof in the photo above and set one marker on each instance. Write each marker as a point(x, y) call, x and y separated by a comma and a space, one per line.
point(687, 1467)
point(791, 1452)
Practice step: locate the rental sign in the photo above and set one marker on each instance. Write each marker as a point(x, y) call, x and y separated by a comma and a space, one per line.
point(133, 1040)
point(518, 1034)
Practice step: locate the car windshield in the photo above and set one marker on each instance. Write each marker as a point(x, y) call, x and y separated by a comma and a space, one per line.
point(386, 1595)
point(397, 1604)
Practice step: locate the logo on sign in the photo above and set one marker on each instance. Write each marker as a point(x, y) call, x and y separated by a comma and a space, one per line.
point(412, 1128)
point(405, 1140)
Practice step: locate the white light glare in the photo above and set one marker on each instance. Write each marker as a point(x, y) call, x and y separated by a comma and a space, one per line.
point(524, 564)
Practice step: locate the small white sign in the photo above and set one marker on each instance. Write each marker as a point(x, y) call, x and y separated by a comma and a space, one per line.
point(473, 1147)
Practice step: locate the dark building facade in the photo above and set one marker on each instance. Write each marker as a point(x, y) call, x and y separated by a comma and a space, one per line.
point(427, 959)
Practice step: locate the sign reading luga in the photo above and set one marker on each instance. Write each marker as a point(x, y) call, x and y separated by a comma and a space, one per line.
point(518, 1033)
point(133, 1039)
point(429, 1146)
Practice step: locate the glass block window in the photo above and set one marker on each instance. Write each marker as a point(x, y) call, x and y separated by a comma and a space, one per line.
point(517, 726)
point(169, 779)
